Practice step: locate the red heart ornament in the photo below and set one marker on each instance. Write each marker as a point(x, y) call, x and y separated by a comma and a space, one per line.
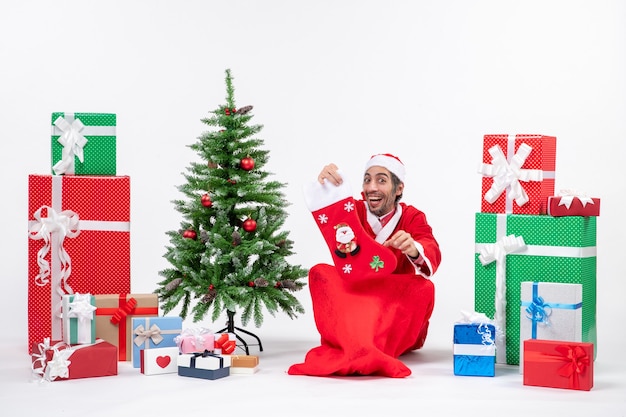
point(163, 361)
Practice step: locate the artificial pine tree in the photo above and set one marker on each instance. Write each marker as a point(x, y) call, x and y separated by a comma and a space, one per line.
point(230, 253)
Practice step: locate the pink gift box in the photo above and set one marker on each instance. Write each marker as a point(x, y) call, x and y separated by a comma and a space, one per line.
point(195, 341)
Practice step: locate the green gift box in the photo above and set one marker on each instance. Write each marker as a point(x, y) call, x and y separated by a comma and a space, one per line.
point(512, 248)
point(84, 143)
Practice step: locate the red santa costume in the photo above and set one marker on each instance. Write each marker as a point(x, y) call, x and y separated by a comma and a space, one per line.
point(369, 310)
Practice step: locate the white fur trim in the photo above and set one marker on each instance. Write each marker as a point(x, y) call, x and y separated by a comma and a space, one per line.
point(318, 196)
point(391, 163)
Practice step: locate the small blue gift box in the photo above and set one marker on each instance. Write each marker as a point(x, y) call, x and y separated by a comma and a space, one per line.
point(203, 365)
point(474, 349)
point(154, 332)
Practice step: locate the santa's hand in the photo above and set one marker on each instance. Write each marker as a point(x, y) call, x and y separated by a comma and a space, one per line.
point(330, 173)
point(404, 242)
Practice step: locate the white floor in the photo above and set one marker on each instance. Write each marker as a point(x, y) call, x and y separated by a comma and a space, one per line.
point(432, 389)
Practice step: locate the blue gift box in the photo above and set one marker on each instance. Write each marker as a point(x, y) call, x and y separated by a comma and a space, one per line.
point(154, 332)
point(474, 349)
point(203, 365)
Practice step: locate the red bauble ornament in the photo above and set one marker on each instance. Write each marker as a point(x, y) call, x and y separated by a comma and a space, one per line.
point(250, 283)
point(190, 234)
point(206, 200)
point(247, 164)
point(249, 225)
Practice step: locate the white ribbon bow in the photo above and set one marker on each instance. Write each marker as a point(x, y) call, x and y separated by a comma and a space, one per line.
point(567, 196)
point(73, 143)
point(81, 308)
point(508, 175)
point(58, 366)
point(143, 334)
point(497, 252)
point(56, 226)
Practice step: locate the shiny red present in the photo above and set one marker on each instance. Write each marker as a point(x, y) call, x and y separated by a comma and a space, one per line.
point(79, 242)
point(558, 364)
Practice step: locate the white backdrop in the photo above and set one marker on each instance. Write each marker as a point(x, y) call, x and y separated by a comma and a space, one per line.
point(331, 82)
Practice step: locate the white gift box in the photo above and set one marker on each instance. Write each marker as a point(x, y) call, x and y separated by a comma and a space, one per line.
point(158, 361)
point(550, 311)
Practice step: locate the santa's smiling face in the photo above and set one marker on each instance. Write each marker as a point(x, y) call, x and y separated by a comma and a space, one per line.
point(344, 234)
point(379, 191)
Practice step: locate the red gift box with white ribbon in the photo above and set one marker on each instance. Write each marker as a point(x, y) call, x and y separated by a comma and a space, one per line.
point(518, 173)
point(79, 242)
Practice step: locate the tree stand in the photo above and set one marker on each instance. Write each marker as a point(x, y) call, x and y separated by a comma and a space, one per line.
point(230, 328)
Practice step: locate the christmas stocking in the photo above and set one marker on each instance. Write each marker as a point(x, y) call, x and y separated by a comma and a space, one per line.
point(355, 253)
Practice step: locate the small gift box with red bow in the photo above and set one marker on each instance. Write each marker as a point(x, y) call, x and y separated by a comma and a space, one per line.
point(195, 340)
point(204, 365)
point(154, 332)
point(57, 360)
point(159, 361)
point(79, 319)
point(571, 203)
point(225, 344)
point(558, 364)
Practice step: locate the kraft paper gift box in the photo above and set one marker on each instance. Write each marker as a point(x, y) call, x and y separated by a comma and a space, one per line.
point(573, 205)
point(154, 332)
point(514, 248)
point(203, 365)
point(518, 173)
point(550, 311)
point(79, 242)
point(83, 143)
point(79, 319)
point(474, 349)
point(159, 361)
point(195, 340)
point(558, 364)
point(114, 313)
point(55, 361)
point(243, 364)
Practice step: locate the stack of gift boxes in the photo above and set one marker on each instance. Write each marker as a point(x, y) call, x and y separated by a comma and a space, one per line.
point(82, 317)
point(535, 264)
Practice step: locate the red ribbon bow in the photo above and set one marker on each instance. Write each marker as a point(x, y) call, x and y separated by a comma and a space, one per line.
point(124, 311)
point(576, 360)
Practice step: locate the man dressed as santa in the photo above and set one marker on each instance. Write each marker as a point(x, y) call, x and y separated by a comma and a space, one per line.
point(373, 304)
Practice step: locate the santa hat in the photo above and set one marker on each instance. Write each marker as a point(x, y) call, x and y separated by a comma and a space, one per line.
point(389, 161)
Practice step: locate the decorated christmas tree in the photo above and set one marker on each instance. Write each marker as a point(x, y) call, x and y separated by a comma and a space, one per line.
point(230, 254)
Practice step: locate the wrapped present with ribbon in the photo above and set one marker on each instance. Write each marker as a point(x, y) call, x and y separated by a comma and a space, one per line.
point(225, 344)
point(84, 143)
point(158, 361)
point(195, 340)
point(558, 364)
point(57, 360)
point(79, 242)
point(114, 313)
point(243, 364)
point(573, 203)
point(154, 332)
point(518, 173)
point(512, 248)
point(79, 318)
point(205, 365)
point(474, 345)
point(550, 311)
